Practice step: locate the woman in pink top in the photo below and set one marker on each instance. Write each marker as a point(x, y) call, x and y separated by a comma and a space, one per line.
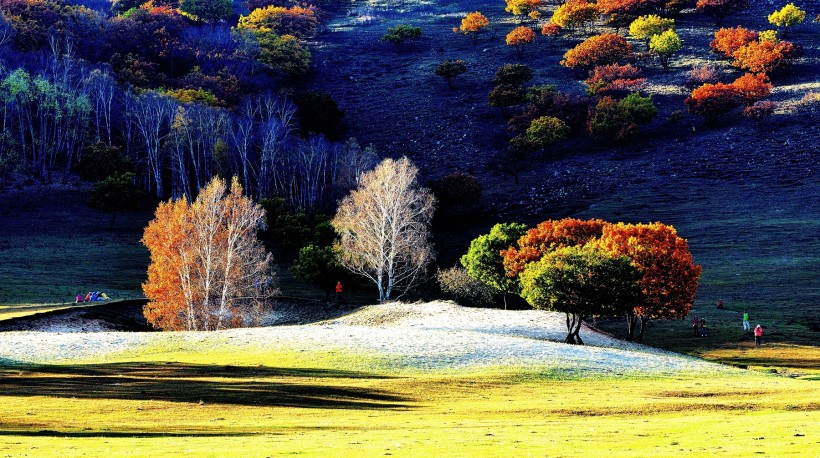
point(758, 335)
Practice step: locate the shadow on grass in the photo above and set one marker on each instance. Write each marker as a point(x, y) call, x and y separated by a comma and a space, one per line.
point(200, 383)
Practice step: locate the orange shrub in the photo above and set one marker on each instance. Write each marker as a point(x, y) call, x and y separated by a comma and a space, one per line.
point(753, 87)
point(614, 80)
point(728, 40)
point(632, 7)
point(605, 49)
point(551, 30)
point(713, 100)
point(764, 57)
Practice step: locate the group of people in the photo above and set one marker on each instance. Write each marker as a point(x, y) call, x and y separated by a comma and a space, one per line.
point(699, 325)
point(92, 296)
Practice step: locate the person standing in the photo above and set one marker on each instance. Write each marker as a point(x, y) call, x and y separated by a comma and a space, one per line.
point(719, 304)
point(703, 332)
point(339, 292)
point(695, 323)
point(758, 335)
point(746, 326)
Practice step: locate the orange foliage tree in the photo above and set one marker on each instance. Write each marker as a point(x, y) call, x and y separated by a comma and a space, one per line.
point(208, 271)
point(713, 100)
point(629, 7)
point(753, 87)
point(574, 13)
point(519, 38)
point(764, 56)
point(605, 49)
point(729, 40)
point(473, 24)
point(614, 80)
point(669, 278)
point(523, 8)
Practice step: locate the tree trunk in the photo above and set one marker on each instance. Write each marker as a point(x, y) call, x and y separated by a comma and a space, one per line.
point(631, 322)
point(644, 322)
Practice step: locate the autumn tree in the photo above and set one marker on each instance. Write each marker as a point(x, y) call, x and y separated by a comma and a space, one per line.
point(384, 228)
point(664, 46)
point(719, 9)
point(786, 17)
point(207, 10)
point(669, 277)
point(284, 53)
point(764, 56)
point(646, 27)
point(580, 281)
point(473, 24)
point(546, 131)
point(208, 271)
point(614, 80)
point(626, 7)
point(484, 262)
point(551, 31)
point(522, 8)
point(605, 49)
point(449, 69)
point(574, 14)
point(713, 100)
point(753, 88)
point(729, 40)
point(296, 21)
point(520, 37)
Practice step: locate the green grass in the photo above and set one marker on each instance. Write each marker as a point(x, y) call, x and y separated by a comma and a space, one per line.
point(167, 399)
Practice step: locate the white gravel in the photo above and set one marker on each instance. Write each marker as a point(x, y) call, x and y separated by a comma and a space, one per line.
point(434, 336)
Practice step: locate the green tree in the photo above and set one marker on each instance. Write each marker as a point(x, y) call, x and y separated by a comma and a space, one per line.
point(207, 10)
point(483, 259)
point(115, 194)
point(546, 131)
point(786, 17)
point(317, 264)
point(449, 69)
point(646, 27)
point(401, 34)
point(664, 45)
point(513, 74)
point(284, 53)
point(581, 281)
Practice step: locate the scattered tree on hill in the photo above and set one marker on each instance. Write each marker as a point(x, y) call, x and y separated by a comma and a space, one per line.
point(669, 277)
point(520, 37)
point(764, 56)
point(546, 131)
point(513, 74)
point(713, 100)
point(674, 7)
point(283, 53)
point(449, 69)
point(786, 17)
point(581, 281)
point(473, 24)
point(574, 14)
point(384, 228)
point(484, 261)
point(402, 33)
point(664, 46)
point(208, 271)
point(297, 21)
point(521, 8)
point(614, 80)
point(207, 10)
point(619, 121)
point(760, 110)
point(115, 194)
point(627, 7)
point(504, 96)
point(719, 9)
point(729, 40)
point(753, 88)
point(551, 31)
point(646, 27)
point(603, 49)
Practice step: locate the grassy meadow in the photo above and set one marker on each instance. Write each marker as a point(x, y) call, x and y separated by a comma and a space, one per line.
point(168, 398)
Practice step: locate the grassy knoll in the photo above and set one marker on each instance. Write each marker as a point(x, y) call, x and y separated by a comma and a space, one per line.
point(167, 399)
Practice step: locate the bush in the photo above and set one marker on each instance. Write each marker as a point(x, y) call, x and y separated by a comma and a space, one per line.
point(702, 74)
point(297, 21)
point(519, 38)
point(614, 80)
point(283, 53)
point(626, 7)
point(646, 27)
point(546, 131)
point(514, 74)
point(719, 9)
point(546, 101)
point(760, 110)
point(714, 100)
point(787, 16)
point(753, 87)
point(574, 14)
point(449, 69)
point(727, 41)
point(764, 57)
point(620, 122)
point(507, 95)
point(457, 190)
point(599, 50)
point(401, 34)
point(664, 46)
point(456, 282)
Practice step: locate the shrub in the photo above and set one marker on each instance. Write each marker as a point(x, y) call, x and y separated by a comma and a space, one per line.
point(546, 101)
point(449, 69)
point(719, 9)
point(297, 21)
point(283, 53)
point(664, 45)
point(457, 189)
point(626, 7)
point(727, 41)
point(546, 131)
point(619, 121)
point(753, 87)
point(786, 17)
point(457, 282)
point(473, 24)
point(646, 27)
point(763, 57)
point(515, 74)
point(614, 80)
point(574, 13)
point(507, 95)
point(401, 34)
point(519, 38)
point(702, 74)
point(599, 50)
point(760, 110)
point(714, 100)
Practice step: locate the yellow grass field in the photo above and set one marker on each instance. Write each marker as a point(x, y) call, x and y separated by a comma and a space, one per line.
point(166, 399)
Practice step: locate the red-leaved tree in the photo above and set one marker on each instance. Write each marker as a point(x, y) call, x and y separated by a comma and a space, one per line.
point(753, 87)
point(729, 40)
point(714, 100)
point(614, 80)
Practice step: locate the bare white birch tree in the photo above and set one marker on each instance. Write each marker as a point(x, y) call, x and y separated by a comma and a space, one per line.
point(384, 228)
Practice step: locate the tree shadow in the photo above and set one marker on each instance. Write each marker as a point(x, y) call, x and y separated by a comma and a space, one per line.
point(200, 383)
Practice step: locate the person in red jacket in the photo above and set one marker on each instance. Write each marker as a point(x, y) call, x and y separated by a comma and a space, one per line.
point(758, 335)
point(339, 292)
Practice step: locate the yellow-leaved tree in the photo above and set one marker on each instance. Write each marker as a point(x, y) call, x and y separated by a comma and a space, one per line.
point(208, 270)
